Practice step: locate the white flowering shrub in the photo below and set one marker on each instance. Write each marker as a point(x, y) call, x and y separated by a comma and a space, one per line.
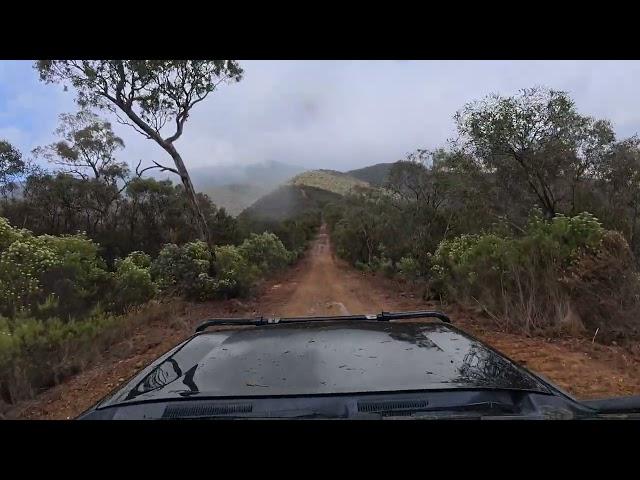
point(21, 265)
point(35, 268)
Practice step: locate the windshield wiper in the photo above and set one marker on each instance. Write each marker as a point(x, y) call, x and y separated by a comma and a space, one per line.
point(382, 316)
point(454, 411)
point(615, 405)
point(297, 415)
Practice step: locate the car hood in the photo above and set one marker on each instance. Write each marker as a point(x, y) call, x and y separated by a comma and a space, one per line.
point(325, 358)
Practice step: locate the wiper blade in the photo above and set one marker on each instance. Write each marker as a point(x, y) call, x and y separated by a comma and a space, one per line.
point(382, 316)
point(301, 415)
point(622, 405)
point(471, 409)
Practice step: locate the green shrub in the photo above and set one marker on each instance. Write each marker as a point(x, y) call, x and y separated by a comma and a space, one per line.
point(517, 279)
point(408, 268)
point(80, 278)
point(604, 288)
point(21, 265)
point(183, 270)
point(35, 354)
point(265, 251)
point(132, 282)
point(234, 274)
point(139, 259)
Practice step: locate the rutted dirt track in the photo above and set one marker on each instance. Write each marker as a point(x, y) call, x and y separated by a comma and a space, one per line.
point(318, 285)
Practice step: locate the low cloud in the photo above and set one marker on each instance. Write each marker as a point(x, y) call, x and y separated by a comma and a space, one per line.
point(334, 114)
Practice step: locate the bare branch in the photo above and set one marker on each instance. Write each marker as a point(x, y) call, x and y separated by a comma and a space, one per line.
point(162, 168)
point(122, 121)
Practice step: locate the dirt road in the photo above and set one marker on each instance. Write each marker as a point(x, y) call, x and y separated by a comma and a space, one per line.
point(324, 288)
point(320, 284)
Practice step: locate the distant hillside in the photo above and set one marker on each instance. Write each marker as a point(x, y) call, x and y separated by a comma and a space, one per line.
point(236, 197)
point(375, 174)
point(235, 187)
point(330, 180)
point(265, 174)
point(288, 201)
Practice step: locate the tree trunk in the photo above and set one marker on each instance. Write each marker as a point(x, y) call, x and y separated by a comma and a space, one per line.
point(191, 194)
point(634, 229)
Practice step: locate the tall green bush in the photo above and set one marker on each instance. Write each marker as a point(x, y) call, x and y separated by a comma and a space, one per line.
point(234, 274)
point(265, 251)
point(132, 282)
point(519, 279)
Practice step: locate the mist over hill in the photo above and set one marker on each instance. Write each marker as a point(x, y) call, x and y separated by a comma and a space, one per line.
point(289, 201)
point(306, 192)
point(235, 187)
point(278, 190)
point(268, 173)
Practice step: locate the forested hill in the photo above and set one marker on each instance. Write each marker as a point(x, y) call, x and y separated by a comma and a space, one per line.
point(289, 201)
point(374, 174)
point(307, 192)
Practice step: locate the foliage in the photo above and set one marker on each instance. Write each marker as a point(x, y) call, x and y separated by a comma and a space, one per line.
point(33, 268)
point(132, 282)
point(148, 95)
point(182, 269)
point(294, 232)
point(266, 251)
point(87, 147)
point(408, 268)
point(235, 275)
point(11, 167)
point(537, 280)
point(36, 354)
point(536, 139)
point(605, 288)
point(194, 271)
point(143, 216)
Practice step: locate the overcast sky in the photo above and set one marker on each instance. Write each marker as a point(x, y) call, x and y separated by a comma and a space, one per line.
point(332, 114)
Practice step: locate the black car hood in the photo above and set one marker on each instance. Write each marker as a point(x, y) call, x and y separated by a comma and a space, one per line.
point(325, 358)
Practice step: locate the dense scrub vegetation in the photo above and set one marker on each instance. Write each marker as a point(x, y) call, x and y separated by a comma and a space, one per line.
point(57, 294)
point(530, 215)
point(86, 245)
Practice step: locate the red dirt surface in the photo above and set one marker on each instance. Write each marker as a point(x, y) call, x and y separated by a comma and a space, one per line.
point(321, 284)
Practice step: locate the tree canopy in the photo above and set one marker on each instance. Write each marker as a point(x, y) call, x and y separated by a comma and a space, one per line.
point(154, 97)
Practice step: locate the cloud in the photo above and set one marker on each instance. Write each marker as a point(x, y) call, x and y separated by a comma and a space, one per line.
point(335, 114)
